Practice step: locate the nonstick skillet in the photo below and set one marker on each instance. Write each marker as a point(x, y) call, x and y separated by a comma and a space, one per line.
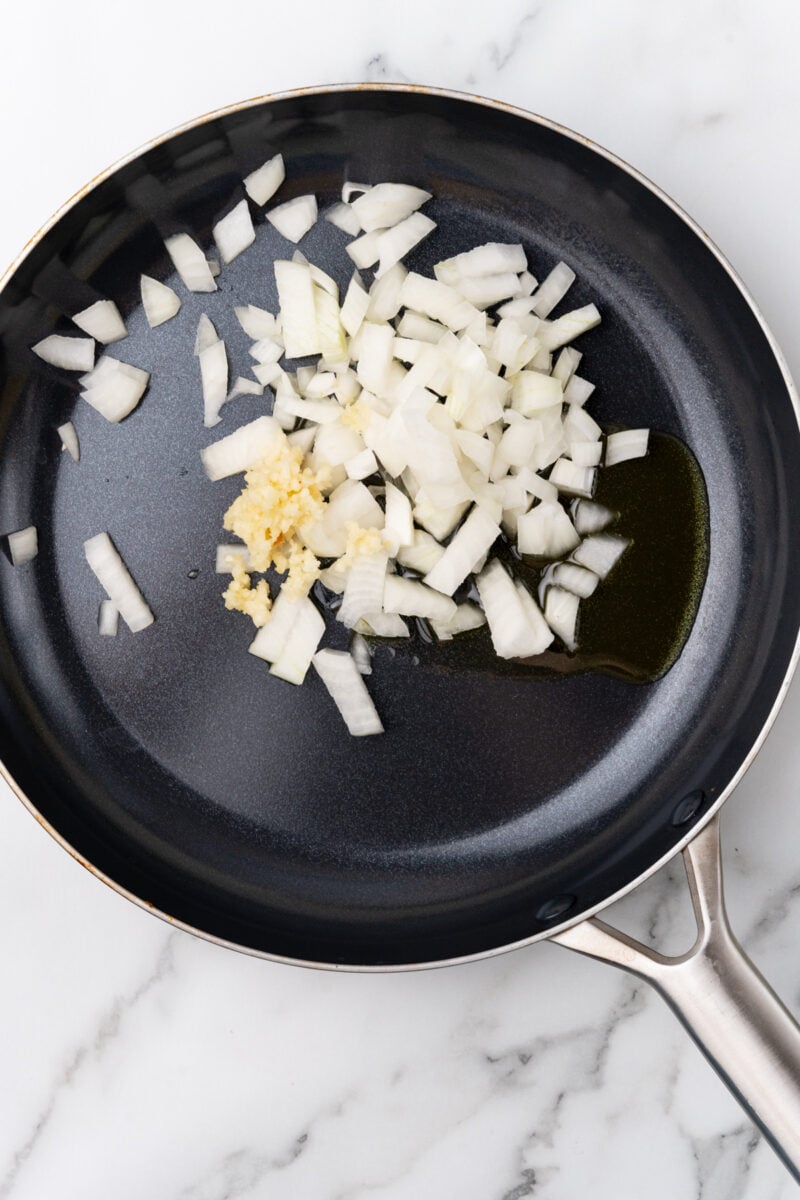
point(495, 811)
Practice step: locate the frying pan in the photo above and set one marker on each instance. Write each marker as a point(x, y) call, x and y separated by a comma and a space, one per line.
point(495, 811)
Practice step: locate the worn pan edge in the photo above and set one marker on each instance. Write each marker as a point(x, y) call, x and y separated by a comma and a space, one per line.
point(700, 233)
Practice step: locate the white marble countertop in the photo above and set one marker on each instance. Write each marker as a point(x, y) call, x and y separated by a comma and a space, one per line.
point(138, 1062)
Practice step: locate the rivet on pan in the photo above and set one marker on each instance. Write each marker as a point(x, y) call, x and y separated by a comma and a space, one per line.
point(552, 909)
point(689, 807)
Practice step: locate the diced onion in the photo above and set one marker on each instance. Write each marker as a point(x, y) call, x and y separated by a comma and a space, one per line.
point(108, 619)
point(579, 580)
point(515, 632)
point(301, 644)
point(114, 388)
point(628, 444)
point(467, 616)
point(294, 218)
point(229, 556)
point(412, 599)
point(590, 517)
point(572, 479)
point(214, 377)
point(160, 303)
point(561, 614)
point(190, 263)
point(553, 289)
point(387, 204)
point(475, 537)
point(262, 184)
point(234, 233)
point(68, 353)
point(23, 545)
point(342, 679)
point(362, 655)
point(241, 449)
point(600, 552)
point(102, 321)
point(364, 590)
point(107, 564)
point(69, 440)
point(546, 532)
point(342, 216)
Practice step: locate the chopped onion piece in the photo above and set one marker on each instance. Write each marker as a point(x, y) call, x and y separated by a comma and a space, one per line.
point(107, 564)
point(586, 454)
point(362, 465)
point(628, 444)
point(294, 218)
point(399, 526)
point(493, 258)
point(266, 351)
point(566, 365)
point(535, 619)
point(514, 630)
point(266, 373)
point(262, 184)
point(230, 555)
point(108, 618)
point(362, 655)
point(533, 391)
point(365, 251)
point(384, 295)
point(114, 388)
point(350, 189)
point(388, 625)
point(423, 553)
point(561, 614)
point(355, 307)
point(256, 322)
point(580, 427)
point(343, 217)
point(553, 289)
point(350, 501)
point(270, 641)
point(160, 303)
point(572, 479)
point(69, 440)
point(190, 263)
point(387, 204)
point(394, 244)
point(235, 232)
point(467, 616)
point(546, 532)
point(205, 336)
point(298, 309)
point(474, 539)
point(590, 517)
point(578, 391)
point(23, 545)
point(579, 580)
point(567, 328)
point(214, 376)
point(304, 438)
point(68, 353)
point(536, 486)
point(488, 290)
point(102, 321)
point(242, 448)
point(301, 644)
point(364, 590)
point(600, 552)
point(412, 599)
point(438, 301)
point(423, 329)
point(341, 677)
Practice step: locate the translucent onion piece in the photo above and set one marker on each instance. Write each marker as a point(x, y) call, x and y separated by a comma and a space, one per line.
point(190, 263)
point(241, 449)
point(262, 184)
point(68, 353)
point(69, 440)
point(108, 618)
point(160, 303)
point(294, 218)
point(234, 233)
point(628, 444)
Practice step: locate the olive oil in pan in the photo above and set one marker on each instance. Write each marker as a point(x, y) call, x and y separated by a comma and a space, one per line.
point(637, 621)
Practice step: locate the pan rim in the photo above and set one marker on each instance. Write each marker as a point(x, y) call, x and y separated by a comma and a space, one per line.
point(700, 233)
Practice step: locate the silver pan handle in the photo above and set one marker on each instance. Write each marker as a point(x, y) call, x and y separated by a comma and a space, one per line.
point(725, 1003)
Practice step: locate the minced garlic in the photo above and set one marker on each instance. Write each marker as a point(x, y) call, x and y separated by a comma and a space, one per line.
point(279, 496)
point(241, 596)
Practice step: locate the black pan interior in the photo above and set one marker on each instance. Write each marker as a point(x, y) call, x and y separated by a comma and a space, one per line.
point(173, 762)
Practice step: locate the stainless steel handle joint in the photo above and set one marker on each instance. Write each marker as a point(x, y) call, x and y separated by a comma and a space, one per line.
point(727, 1006)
